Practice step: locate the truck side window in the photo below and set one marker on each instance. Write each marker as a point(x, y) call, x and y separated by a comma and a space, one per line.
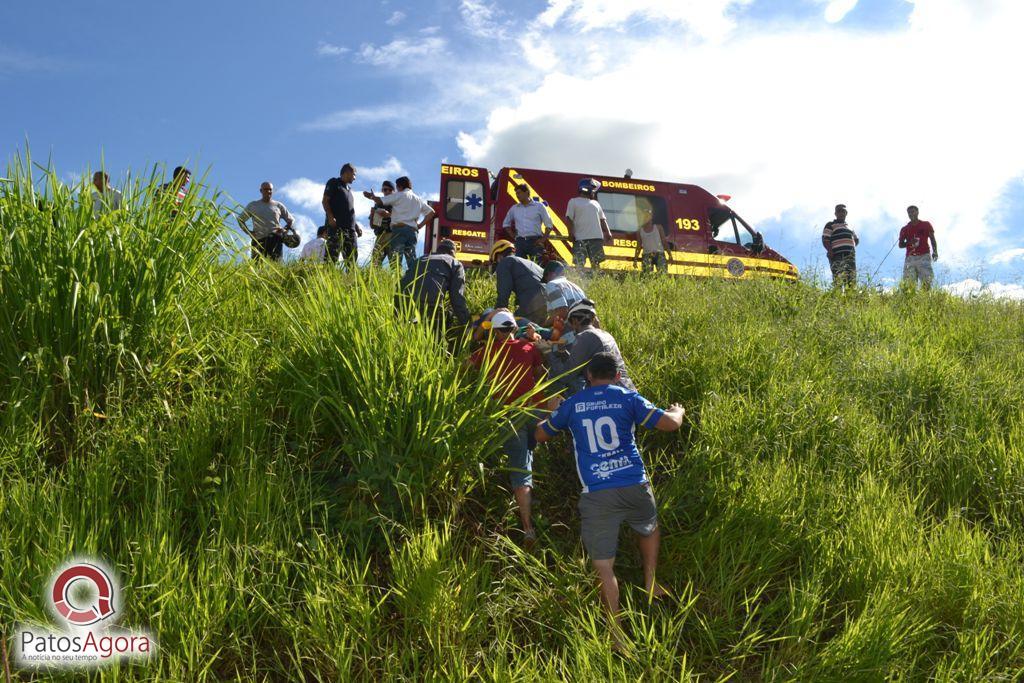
point(464, 201)
point(628, 212)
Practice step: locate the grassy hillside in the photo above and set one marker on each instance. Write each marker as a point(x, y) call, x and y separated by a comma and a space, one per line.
point(288, 478)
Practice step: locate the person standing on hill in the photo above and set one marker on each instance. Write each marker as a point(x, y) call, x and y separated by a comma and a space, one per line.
point(435, 278)
point(514, 367)
point(527, 219)
point(105, 198)
point(651, 239)
point(341, 217)
point(588, 226)
point(521, 277)
point(380, 223)
point(177, 188)
point(616, 488)
point(266, 214)
point(840, 242)
point(407, 208)
point(915, 237)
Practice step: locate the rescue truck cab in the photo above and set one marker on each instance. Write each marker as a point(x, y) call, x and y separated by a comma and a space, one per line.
point(707, 238)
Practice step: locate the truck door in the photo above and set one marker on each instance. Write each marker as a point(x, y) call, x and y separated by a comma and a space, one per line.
point(464, 212)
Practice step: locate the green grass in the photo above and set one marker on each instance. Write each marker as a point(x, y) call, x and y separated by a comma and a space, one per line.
point(296, 484)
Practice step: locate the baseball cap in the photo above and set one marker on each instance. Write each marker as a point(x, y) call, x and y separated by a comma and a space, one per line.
point(503, 320)
point(585, 306)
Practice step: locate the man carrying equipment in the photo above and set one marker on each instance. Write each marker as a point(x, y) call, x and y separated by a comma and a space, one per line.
point(266, 214)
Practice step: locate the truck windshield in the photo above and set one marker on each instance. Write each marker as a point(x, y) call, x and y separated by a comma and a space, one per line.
point(726, 228)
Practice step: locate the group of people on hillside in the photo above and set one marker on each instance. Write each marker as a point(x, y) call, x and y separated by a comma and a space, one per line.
point(917, 237)
point(554, 332)
point(396, 218)
point(398, 214)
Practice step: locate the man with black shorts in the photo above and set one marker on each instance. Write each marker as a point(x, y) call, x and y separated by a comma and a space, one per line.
point(616, 489)
point(342, 229)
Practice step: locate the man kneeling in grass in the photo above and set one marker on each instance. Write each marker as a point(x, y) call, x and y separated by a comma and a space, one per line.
point(615, 485)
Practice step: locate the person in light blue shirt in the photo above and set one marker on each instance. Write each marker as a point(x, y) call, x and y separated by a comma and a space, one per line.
point(528, 219)
point(602, 419)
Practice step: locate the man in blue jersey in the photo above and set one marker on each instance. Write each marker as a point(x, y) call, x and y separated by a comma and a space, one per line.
point(616, 489)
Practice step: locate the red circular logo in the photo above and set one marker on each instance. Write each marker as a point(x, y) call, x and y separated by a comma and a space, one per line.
point(83, 615)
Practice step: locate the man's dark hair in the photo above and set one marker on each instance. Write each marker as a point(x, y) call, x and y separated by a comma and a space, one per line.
point(403, 183)
point(841, 206)
point(446, 246)
point(346, 168)
point(388, 184)
point(602, 366)
point(181, 170)
point(322, 231)
point(522, 187)
point(553, 266)
point(912, 206)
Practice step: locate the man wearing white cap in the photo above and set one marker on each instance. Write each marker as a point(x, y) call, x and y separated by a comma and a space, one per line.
point(514, 366)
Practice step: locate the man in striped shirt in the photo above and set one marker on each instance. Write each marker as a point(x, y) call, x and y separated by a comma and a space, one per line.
point(840, 242)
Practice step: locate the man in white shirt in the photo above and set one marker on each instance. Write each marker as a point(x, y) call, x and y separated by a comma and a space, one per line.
point(406, 209)
point(526, 219)
point(105, 199)
point(588, 227)
point(316, 250)
point(266, 215)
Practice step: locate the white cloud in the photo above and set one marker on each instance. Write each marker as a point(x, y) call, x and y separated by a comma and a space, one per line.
point(836, 10)
point(305, 192)
point(1007, 256)
point(400, 53)
point(971, 288)
point(788, 120)
point(396, 18)
point(483, 20)
point(328, 50)
point(707, 18)
point(391, 168)
point(434, 113)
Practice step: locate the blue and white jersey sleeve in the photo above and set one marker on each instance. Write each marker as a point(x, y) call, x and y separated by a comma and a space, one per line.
point(645, 413)
point(558, 420)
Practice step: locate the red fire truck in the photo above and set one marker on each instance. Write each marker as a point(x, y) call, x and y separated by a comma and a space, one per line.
point(708, 238)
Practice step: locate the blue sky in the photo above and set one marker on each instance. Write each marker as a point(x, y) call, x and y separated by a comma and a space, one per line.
point(789, 107)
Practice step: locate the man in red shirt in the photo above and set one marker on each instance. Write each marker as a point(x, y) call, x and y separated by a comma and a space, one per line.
point(514, 367)
point(915, 237)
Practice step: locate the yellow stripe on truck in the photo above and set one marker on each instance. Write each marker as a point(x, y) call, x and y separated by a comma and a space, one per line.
point(706, 265)
point(561, 247)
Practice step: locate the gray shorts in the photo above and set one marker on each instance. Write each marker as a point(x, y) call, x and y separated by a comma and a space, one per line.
point(603, 512)
point(519, 457)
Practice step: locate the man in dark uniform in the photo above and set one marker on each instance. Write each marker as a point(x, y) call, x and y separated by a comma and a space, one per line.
point(342, 229)
point(431, 278)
